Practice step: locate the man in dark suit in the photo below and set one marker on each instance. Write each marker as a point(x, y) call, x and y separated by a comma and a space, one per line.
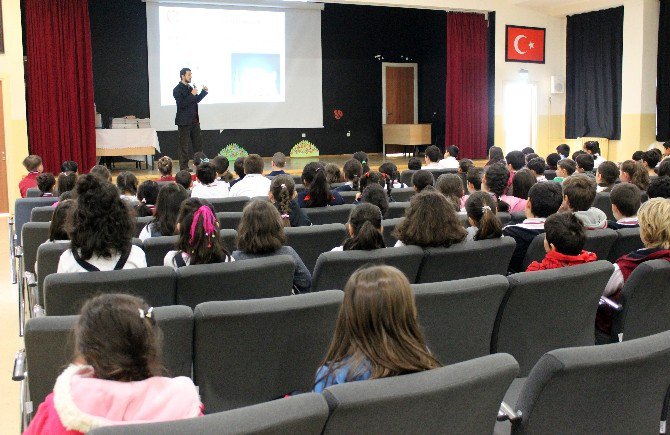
point(187, 120)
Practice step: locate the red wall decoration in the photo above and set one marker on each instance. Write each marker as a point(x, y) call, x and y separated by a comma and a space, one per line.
point(524, 44)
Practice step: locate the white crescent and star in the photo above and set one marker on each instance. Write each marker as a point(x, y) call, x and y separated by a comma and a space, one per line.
point(531, 45)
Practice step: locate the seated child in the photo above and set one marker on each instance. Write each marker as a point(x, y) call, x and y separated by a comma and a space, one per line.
point(353, 171)
point(537, 167)
point(199, 241)
point(282, 194)
point(626, 200)
point(261, 234)
point(333, 173)
point(650, 160)
point(238, 168)
point(464, 166)
point(69, 166)
point(66, 182)
point(317, 191)
point(432, 157)
point(484, 224)
point(552, 161)
point(375, 194)
point(378, 178)
point(127, 184)
point(563, 150)
point(523, 180)
point(278, 163)
point(164, 165)
point(364, 229)
point(33, 165)
point(57, 228)
point(414, 164)
point(564, 243)
point(607, 176)
point(116, 375)
point(147, 194)
point(222, 164)
point(579, 192)
point(164, 223)
point(585, 165)
point(381, 297)
point(422, 179)
point(516, 160)
point(209, 186)
point(451, 186)
point(566, 167)
point(183, 178)
point(45, 183)
point(101, 172)
point(391, 171)
point(254, 183)
point(659, 187)
point(450, 160)
point(496, 182)
point(633, 172)
point(362, 157)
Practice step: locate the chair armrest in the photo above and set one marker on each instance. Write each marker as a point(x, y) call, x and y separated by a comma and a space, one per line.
point(604, 300)
point(19, 372)
point(506, 412)
point(31, 279)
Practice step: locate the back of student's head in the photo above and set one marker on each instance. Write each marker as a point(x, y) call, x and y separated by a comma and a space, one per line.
point(464, 165)
point(32, 163)
point(253, 164)
point(651, 158)
point(430, 220)
point(592, 146)
point(333, 173)
point(279, 159)
point(433, 153)
point(101, 172)
point(451, 186)
point(69, 166)
point(221, 165)
point(100, 223)
point(365, 225)
point(453, 151)
point(238, 166)
point(168, 204)
point(375, 194)
point(147, 192)
point(318, 189)
point(664, 168)
point(199, 232)
point(353, 170)
point(117, 335)
point(45, 182)
point(545, 199)
point(566, 233)
point(577, 154)
point(552, 161)
point(390, 170)
point(659, 187)
point(530, 157)
point(654, 218)
point(58, 226)
point(261, 230)
point(495, 181)
point(164, 165)
point(282, 189)
point(522, 182)
point(474, 177)
point(627, 198)
point(374, 177)
point(581, 191)
point(199, 158)
point(66, 182)
point(528, 150)
point(481, 208)
point(127, 183)
point(568, 165)
point(206, 173)
point(183, 178)
point(516, 159)
point(362, 157)
point(637, 156)
point(495, 155)
point(537, 165)
point(635, 173)
point(609, 173)
point(377, 327)
point(564, 150)
point(414, 164)
point(422, 179)
point(585, 162)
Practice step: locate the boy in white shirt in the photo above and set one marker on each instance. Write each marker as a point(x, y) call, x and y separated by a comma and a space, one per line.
point(254, 183)
point(432, 157)
point(450, 160)
point(209, 186)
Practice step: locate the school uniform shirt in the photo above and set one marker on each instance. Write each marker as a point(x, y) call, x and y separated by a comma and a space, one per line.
point(335, 200)
point(597, 160)
point(136, 260)
point(340, 376)
point(302, 278)
point(149, 231)
point(432, 165)
point(169, 260)
point(629, 222)
point(251, 185)
point(276, 173)
point(297, 216)
point(130, 199)
point(346, 187)
point(216, 189)
point(541, 178)
point(166, 178)
point(523, 235)
point(28, 182)
point(448, 163)
point(399, 185)
point(337, 249)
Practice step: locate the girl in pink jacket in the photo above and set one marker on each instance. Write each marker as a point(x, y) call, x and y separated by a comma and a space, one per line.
point(116, 374)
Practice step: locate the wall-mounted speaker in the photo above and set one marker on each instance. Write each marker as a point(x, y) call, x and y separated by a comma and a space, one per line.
point(557, 85)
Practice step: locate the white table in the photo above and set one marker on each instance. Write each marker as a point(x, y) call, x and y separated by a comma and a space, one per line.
point(131, 143)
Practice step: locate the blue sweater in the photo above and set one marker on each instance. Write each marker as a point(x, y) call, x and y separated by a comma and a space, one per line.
point(339, 376)
point(302, 278)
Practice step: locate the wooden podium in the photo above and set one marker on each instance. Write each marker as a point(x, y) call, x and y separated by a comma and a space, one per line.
point(406, 135)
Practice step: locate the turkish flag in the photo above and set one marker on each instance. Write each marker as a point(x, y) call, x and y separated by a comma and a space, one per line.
point(525, 44)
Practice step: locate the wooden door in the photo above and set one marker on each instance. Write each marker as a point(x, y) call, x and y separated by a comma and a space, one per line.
point(4, 200)
point(400, 94)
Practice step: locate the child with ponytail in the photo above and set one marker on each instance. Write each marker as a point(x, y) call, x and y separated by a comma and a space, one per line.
point(484, 224)
point(365, 229)
point(362, 157)
point(199, 241)
point(282, 194)
point(374, 177)
point(317, 191)
point(391, 171)
point(495, 181)
point(353, 170)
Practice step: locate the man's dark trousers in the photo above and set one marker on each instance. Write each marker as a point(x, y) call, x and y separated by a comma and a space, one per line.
point(188, 134)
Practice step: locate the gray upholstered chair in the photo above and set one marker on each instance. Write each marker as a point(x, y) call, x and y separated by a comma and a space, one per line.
point(333, 269)
point(48, 256)
point(253, 351)
point(33, 192)
point(246, 279)
point(628, 240)
point(229, 239)
point(33, 235)
point(49, 347)
point(406, 176)
point(329, 215)
point(42, 214)
point(461, 398)
point(604, 203)
point(310, 242)
point(66, 293)
point(404, 194)
point(517, 217)
point(535, 252)
point(349, 197)
point(234, 204)
point(549, 309)
point(155, 249)
point(505, 218)
point(303, 414)
point(458, 316)
point(140, 223)
point(616, 388)
point(297, 178)
point(388, 226)
point(396, 210)
point(466, 260)
point(599, 242)
point(23, 208)
point(229, 219)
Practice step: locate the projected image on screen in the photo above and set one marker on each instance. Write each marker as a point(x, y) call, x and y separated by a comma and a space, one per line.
point(256, 76)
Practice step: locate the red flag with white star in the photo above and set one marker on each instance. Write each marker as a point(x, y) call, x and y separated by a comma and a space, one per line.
point(524, 44)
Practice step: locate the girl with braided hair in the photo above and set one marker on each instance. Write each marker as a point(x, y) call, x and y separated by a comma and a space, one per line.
point(282, 194)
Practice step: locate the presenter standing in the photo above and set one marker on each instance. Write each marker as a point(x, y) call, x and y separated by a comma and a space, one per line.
point(187, 120)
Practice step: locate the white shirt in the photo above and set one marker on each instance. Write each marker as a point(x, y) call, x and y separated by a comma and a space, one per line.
point(168, 261)
point(337, 249)
point(251, 185)
point(448, 163)
point(136, 260)
point(597, 160)
point(217, 189)
point(432, 165)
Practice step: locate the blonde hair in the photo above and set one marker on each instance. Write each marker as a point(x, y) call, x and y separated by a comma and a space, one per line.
point(654, 218)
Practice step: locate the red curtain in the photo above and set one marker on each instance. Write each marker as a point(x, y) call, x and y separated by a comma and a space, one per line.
point(61, 117)
point(467, 84)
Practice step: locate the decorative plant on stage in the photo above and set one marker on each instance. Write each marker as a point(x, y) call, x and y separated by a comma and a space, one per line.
point(233, 151)
point(304, 148)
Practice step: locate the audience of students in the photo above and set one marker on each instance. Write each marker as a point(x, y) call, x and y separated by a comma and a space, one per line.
point(626, 200)
point(33, 165)
point(364, 229)
point(254, 183)
point(432, 157)
point(484, 223)
point(607, 176)
point(353, 171)
point(579, 192)
point(278, 163)
point(422, 179)
point(450, 160)
point(451, 186)
point(209, 186)
point(317, 191)
point(283, 195)
point(659, 187)
point(164, 165)
point(168, 203)
point(45, 183)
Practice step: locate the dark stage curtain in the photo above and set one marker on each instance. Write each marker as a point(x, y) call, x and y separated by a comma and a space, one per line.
point(61, 118)
point(467, 84)
point(593, 82)
point(663, 75)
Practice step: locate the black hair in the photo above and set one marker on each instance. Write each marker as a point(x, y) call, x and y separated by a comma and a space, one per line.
point(545, 199)
point(627, 197)
point(57, 228)
point(537, 165)
point(527, 150)
point(127, 182)
point(593, 146)
point(373, 177)
point(282, 188)
point(664, 168)
point(147, 193)
point(365, 221)
point(375, 194)
point(522, 182)
point(516, 159)
point(363, 158)
point(238, 167)
point(183, 178)
point(422, 179)
point(530, 157)
point(609, 173)
point(585, 162)
point(453, 151)
point(474, 177)
point(451, 186)
point(666, 145)
point(414, 164)
point(168, 203)
point(318, 190)
point(481, 208)
point(465, 164)
point(659, 188)
point(566, 233)
point(206, 173)
point(199, 158)
point(45, 182)
point(183, 71)
point(391, 171)
point(353, 170)
point(552, 161)
point(652, 158)
point(580, 191)
point(568, 165)
point(497, 178)
point(637, 155)
point(433, 153)
point(221, 164)
point(495, 155)
point(564, 150)
point(69, 166)
point(66, 182)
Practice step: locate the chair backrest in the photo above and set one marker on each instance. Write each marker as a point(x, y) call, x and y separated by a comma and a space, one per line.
point(310, 242)
point(458, 316)
point(349, 197)
point(162, 184)
point(48, 256)
point(49, 347)
point(303, 414)
point(229, 239)
point(155, 249)
point(406, 176)
point(600, 242)
point(24, 206)
point(66, 293)
point(297, 178)
point(535, 252)
point(645, 298)
point(517, 217)
point(404, 194)
point(460, 398)
point(140, 223)
point(549, 309)
point(33, 192)
point(604, 203)
point(441, 171)
point(246, 279)
point(263, 348)
point(505, 218)
point(329, 215)
point(234, 203)
point(229, 220)
point(42, 214)
point(333, 269)
point(396, 210)
point(388, 226)
point(466, 260)
point(614, 388)
point(33, 235)
point(628, 240)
